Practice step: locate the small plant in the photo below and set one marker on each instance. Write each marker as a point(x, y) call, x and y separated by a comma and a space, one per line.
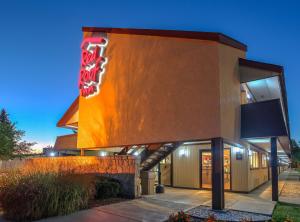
point(211, 218)
point(288, 220)
point(179, 217)
point(246, 220)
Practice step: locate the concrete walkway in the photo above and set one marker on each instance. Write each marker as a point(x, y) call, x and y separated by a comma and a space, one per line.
point(291, 189)
point(159, 207)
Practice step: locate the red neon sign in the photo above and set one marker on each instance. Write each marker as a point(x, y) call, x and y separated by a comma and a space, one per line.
point(92, 65)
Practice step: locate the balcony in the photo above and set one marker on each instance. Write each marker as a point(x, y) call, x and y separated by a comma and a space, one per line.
point(264, 111)
point(262, 119)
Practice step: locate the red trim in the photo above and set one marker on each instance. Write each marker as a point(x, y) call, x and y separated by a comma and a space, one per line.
point(261, 65)
point(213, 36)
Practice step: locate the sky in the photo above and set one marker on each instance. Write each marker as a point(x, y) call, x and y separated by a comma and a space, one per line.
point(40, 47)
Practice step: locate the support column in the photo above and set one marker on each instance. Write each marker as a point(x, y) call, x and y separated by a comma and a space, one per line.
point(217, 151)
point(274, 163)
point(81, 152)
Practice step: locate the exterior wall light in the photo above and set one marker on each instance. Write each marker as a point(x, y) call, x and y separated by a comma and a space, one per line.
point(52, 154)
point(248, 95)
point(238, 150)
point(103, 153)
point(183, 152)
point(250, 152)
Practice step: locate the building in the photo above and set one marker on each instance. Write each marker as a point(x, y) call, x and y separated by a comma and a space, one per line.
point(188, 103)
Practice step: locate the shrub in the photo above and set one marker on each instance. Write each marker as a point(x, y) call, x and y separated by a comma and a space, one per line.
point(107, 188)
point(179, 217)
point(32, 197)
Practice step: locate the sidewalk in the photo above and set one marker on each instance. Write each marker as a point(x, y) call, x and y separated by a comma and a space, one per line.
point(291, 190)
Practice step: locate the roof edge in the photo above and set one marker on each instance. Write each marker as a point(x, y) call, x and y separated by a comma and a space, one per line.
point(261, 65)
point(213, 36)
point(68, 113)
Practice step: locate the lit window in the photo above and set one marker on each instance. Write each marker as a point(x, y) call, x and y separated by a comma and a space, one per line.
point(254, 159)
point(264, 160)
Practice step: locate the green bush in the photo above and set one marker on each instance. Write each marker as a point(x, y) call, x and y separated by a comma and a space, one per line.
point(32, 197)
point(107, 188)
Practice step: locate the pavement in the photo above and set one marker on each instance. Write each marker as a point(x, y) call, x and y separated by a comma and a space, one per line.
point(291, 189)
point(158, 207)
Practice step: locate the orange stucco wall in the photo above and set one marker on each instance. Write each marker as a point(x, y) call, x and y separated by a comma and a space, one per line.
point(155, 89)
point(230, 102)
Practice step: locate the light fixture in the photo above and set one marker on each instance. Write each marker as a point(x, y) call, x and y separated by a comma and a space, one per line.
point(52, 154)
point(250, 152)
point(183, 152)
point(238, 150)
point(103, 153)
point(259, 140)
point(248, 95)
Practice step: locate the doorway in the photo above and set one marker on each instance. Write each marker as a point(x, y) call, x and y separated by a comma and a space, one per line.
point(206, 169)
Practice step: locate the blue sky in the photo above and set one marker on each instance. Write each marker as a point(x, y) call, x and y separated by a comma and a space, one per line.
point(40, 53)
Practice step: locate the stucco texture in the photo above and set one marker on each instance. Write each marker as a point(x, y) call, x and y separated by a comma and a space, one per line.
point(155, 89)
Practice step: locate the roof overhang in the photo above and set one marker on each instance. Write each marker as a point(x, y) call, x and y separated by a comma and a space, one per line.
point(70, 118)
point(265, 144)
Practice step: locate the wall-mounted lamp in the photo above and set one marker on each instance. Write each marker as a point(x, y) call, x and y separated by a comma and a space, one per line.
point(248, 95)
point(238, 150)
point(103, 153)
point(183, 152)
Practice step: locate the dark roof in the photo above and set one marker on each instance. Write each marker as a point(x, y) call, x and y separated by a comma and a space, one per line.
point(261, 65)
point(212, 36)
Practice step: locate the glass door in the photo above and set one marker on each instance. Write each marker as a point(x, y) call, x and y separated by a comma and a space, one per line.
point(206, 169)
point(227, 169)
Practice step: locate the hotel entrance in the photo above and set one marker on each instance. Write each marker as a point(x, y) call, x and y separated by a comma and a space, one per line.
point(206, 169)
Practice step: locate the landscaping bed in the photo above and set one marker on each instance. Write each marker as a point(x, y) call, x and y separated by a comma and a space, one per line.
point(40, 195)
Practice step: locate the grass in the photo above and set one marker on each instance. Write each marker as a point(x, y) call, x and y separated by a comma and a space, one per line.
point(286, 212)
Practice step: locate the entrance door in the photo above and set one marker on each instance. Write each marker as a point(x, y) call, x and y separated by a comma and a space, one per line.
point(206, 169)
point(227, 168)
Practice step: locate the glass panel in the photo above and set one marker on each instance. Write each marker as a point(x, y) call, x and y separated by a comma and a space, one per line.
point(165, 169)
point(227, 169)
point(206, 169)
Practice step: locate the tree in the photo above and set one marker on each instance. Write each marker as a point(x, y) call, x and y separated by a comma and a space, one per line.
point(295, 152)
point(11, 143)
point(294, 143)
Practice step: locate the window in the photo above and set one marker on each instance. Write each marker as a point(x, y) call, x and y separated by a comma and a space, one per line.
point(264, 160)
point(254, 159)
